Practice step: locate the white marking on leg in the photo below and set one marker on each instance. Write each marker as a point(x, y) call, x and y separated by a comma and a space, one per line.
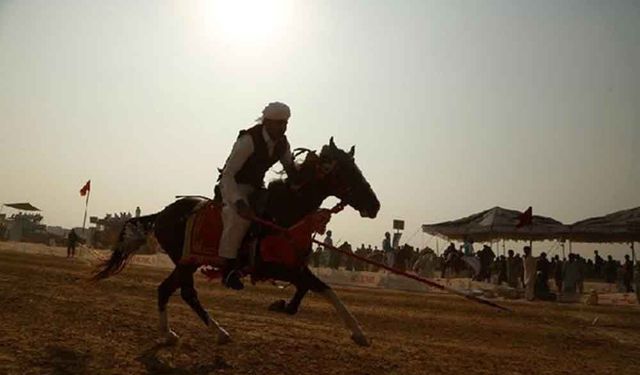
point(356, 332)
point(166, 334)
point(223, 336)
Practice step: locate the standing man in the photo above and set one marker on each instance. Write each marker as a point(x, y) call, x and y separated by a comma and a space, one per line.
point(328, 240)
point(571, 276)
point(329, 254)
point(529, 274)
point(628, 274)
point(598, 264)
point(467, 247)
point(388, 249)
point(542, 290)
point(255, 151)
point(512, 272)
point(486, 256)
point(72, 241)
point(637, 273)
point(557, 273)
point(610, 270)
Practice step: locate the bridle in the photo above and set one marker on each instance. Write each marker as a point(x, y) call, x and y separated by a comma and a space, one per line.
point(323, 172)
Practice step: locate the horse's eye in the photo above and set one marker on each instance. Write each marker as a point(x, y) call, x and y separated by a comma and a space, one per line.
point(327, 167)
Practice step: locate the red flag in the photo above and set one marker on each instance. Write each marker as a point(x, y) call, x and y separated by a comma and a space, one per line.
point(85, 189)
point(525, 218)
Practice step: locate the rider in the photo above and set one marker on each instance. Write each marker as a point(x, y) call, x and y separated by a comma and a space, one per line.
point(255, 151)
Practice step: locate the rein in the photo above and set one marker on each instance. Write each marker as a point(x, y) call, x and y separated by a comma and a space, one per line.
point(269, 224)
point(319, 173)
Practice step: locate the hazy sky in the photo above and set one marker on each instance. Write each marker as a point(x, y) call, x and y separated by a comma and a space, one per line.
point(454, 106)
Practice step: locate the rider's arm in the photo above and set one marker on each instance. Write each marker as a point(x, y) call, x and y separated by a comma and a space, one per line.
point(242, 150)
point(288, 163)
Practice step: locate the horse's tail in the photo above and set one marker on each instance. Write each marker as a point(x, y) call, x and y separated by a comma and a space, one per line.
point(132, 236)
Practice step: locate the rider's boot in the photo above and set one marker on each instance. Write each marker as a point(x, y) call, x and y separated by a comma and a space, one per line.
point(231, 275)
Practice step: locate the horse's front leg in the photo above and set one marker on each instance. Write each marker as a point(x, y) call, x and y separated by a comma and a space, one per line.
point(357, 335)
point(316, 285)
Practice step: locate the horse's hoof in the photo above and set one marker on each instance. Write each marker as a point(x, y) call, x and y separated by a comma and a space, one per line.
point(360, 339)
point(290, 311)
point(223, 337)
point(169, 338)
point(278, 306)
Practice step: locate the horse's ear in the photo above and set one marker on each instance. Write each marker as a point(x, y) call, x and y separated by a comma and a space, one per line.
point(333, 145)
point(352, 152)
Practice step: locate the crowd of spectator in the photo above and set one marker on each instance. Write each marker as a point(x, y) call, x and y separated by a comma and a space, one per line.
point(521, 271)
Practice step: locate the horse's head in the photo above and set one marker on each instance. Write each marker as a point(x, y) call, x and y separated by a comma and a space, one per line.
point(343, 179)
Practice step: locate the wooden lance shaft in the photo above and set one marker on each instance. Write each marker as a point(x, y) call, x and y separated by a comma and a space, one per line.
point(415, 277)
point(390, 269)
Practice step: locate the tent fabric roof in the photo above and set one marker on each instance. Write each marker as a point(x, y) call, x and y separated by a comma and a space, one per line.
point(498, 223)
point(620, 226)
point(22, 206)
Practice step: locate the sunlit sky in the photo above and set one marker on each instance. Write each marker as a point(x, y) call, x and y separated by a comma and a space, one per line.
point(454, 106)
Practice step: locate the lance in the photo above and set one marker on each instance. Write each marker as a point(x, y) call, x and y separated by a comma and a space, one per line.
point(390, 269)
point(416, 277)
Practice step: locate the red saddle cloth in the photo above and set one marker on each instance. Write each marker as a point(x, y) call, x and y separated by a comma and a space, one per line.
point(202, 235)
point(204, 230)
point(293, 248)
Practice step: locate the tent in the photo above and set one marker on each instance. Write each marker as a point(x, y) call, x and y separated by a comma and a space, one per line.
point(498, 224)
point(22, 206)
point(23, 222)
point(620, 226)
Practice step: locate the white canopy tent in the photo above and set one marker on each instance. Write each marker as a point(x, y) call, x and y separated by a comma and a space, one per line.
point(617, 227)
point(498, 224)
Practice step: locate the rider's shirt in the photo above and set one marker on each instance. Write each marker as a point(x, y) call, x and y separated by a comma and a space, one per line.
point(252, 155)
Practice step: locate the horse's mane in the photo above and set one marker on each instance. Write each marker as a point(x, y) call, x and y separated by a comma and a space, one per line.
point(307, 168)
point(303, 168)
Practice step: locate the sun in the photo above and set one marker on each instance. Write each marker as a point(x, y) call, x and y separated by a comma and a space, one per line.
point(244, 21)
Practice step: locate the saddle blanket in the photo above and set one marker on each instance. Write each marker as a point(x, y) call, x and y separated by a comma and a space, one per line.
point(204, 230)
point(202, 234)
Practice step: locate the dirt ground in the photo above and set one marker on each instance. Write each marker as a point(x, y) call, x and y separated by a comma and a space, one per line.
point(53, 321)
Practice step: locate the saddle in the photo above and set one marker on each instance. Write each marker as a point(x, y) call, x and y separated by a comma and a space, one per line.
point(203, 232)
point(291, 249)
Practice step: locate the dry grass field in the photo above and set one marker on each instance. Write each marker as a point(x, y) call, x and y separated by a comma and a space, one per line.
point(53, 321)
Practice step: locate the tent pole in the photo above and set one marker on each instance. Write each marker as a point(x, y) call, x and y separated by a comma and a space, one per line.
point(633, 252)
point(570, 252)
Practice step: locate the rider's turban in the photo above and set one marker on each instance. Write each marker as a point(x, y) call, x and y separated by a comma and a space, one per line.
point(276, 111)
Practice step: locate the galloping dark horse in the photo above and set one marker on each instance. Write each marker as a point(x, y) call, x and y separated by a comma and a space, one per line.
point(331, 173)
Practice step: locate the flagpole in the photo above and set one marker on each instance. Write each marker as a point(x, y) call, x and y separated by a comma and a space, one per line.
point(86, 206)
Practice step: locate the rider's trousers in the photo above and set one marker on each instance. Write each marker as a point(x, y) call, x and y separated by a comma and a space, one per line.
point(234, 226)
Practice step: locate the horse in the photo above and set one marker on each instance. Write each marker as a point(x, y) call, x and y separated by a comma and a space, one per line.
point(332, 172)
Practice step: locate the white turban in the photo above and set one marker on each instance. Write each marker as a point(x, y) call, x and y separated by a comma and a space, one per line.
point(276, 111)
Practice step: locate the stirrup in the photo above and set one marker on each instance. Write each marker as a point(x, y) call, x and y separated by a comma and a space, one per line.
point(232, 280)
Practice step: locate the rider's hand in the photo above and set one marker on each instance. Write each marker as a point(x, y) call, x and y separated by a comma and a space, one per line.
point(244, 210)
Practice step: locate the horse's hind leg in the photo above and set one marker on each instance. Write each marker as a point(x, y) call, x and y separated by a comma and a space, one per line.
point(190, 296)
point(165, 290)
point(290, 308)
